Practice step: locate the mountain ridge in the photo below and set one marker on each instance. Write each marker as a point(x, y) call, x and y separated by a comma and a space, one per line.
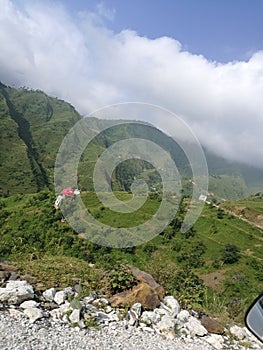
point(34, 124)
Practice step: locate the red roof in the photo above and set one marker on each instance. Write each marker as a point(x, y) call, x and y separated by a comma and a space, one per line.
point(69, 192)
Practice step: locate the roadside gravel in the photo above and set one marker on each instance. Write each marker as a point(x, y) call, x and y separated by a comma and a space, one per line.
point(17, 333)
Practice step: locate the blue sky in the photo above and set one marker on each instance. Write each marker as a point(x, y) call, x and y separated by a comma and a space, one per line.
point(221, 30)
point(201, 59)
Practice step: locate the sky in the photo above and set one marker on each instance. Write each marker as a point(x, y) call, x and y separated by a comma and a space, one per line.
point(203, 60)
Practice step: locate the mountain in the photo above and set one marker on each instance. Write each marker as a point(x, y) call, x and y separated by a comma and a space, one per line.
point(33, 125)
point(223, 249)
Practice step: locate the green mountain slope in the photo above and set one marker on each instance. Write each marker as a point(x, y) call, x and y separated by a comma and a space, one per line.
point(32, 128)
point(222, 250)
point(33, 125)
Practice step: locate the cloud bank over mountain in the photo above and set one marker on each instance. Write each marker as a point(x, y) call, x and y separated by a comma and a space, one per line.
point(80, 60)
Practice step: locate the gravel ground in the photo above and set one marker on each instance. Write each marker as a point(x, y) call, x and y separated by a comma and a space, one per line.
point(16, 333)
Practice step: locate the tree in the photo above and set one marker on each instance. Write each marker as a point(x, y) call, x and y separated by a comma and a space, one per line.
point(230, 254)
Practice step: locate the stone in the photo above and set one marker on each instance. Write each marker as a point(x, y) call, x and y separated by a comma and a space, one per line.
point(195, 327)
point(30, 279)
point(4, 275)
point(49, 294)
point(16, 292)
point(211, 325)
point(75, 316)
point(89, 299)
point(150, 317)
point(101, 302)
point(7, 267)
point(15, 313)
point(60, 297)
point(102, 316)
point(108, 309)
point(13, 276)
point(216, 340)
point(238, 332)
point(69, 291)
point(183, 316)
point(33, 314)
point(171, 305)
point(148, 279)
point(167, 323)
point(132, 317)
point(78, 288)
point(137, 308)
point(56, 314)
point(29, 304)
point(147, 292)
point(66, 307)
point(114, 316)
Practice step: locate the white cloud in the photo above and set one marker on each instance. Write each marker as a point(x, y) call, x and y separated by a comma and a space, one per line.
point(90, 66)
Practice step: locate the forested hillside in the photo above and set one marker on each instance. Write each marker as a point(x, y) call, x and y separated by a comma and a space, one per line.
point(33, 126)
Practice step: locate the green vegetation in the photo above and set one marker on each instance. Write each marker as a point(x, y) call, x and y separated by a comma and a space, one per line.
point(218, 262)
point(215, 267)
point(33, 126)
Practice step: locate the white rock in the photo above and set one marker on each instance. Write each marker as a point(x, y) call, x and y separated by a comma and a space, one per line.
point(216, 340)
point(33, 314)
point(167, 323)
point(75, 316)
point(55, 314)
point(49, 294)
point(28, 304)
point(132, 317)
point(137, 308)
point(114, 316)
point(64, 308)
point(69, 291)
point(89, 299)
point(101, 302)
point(172, 304)
point(60, 297)
point(238, 332)
point(183, 316)
point(195, 327)
point(102, 316)
point(16, 292)
point(15, 313)
point(150, 317)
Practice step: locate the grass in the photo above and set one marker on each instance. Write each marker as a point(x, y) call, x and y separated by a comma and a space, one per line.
point(34, 239)
point(58, 271)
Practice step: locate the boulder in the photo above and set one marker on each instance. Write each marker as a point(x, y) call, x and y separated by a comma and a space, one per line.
point(211, 325)
point(147, 292)
point(16, 292)
point(148, 279)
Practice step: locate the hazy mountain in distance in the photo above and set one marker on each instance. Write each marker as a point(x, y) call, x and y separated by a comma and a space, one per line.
point(34, 124)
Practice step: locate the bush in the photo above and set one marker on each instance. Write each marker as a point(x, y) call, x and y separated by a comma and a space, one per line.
point(230, 254)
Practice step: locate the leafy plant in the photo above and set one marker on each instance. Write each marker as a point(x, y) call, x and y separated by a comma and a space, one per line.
point(121, 279)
